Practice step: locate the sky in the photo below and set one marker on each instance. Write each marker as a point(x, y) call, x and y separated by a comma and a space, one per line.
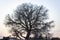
point(8, 6)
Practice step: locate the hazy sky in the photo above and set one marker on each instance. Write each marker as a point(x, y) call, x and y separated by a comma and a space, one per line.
point(7, 7)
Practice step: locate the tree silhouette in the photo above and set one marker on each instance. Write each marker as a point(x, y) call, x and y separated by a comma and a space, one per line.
point(28, 18)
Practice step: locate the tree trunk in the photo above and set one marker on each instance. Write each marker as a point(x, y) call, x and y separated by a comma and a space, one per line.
point(27, 37)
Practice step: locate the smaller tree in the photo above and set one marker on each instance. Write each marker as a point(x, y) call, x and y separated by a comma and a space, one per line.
point(28, 18)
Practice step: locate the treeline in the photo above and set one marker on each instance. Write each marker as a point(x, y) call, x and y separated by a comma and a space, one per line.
point(12, 38)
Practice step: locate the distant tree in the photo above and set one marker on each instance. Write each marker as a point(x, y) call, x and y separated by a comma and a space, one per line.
point(55, 38)
point(28, 18)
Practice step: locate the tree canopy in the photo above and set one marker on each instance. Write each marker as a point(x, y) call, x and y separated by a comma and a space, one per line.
point(28, 18)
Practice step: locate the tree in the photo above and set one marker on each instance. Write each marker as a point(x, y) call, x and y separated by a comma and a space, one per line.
point(28, 18)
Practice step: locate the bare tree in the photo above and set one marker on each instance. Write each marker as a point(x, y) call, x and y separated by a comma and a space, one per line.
point(28, 18)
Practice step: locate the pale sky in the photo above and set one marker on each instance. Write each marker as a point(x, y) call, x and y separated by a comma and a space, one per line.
point(7, 7)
